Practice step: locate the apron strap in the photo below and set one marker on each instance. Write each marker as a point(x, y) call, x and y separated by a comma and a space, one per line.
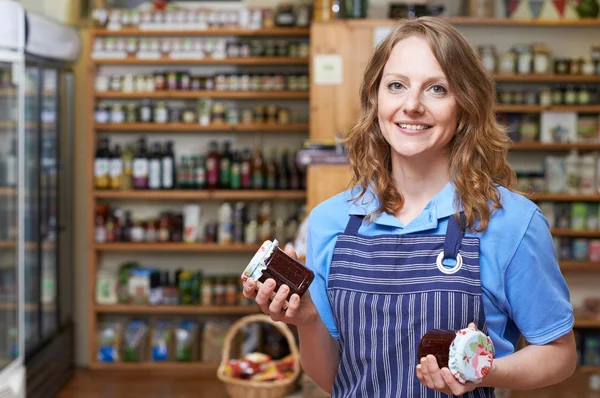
point(454, 236)
point(353, 224)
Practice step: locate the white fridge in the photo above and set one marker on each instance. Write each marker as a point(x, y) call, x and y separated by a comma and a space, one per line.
point(36, 118)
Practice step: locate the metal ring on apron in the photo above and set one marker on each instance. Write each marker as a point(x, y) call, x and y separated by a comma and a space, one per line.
point(446, 270)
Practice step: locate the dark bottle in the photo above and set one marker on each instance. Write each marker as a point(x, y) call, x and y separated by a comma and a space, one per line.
point(258, 170)
point(284, 171)
point(116, 168)
point(225, 166)
point(271, 170)
point(182, 173)
point(127, 227)
point(140, 166)
point(236, 171)
point(168, 167)
point(246, 169)
point(294, 173)
point(154, 174)
point(212, 166)
point(200, 173)
point(102, 165)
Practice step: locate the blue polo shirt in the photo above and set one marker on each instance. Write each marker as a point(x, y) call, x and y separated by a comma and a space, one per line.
point(523, 289)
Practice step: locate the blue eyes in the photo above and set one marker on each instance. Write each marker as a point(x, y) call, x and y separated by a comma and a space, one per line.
point(395, 86)
point(439, 89)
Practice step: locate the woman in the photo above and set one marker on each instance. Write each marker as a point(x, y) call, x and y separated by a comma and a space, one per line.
point(392, 257)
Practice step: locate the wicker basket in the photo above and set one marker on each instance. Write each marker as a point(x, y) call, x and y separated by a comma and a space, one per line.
point(237, 388)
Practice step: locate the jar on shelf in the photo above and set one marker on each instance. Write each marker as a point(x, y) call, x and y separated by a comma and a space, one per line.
point(524, 59)
point(233, 83)
point(570, 95)
point(101, 114)
point(245, 82)
point(161, 113)
point(518, 98)
point(303, 49)
point(545, 96)
point(259, 114)
point(128, 83)
point(101, 83)
point(131, 114)
point(189, 116)
point(530, 97)
point(272, 114)
point(218, 113)
point(117, 114)
point(557, 95)
point(587, 67)
point(221, 82)
point(150, 83)
point(174, 115)
point(145, 112)
point(283, 116)
point(562, 66)
point(541, 58)
point(528, 128)
point(583, 96)
point(247, 116)
point(488, 57)
point(576, 66)
point(506, 97)
point(140, 83)
point(508, 62)
point(116, 83)
point(232, 115)
point(281, 48)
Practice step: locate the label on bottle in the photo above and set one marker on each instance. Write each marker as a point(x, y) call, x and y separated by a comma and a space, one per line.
point(11, 170)
point(246, 176)
point(100, 234)
point(236, 177)
point(145, 114)
point(225, 172)
point(200, 177)
point(212, 172)
point(101, 169)
point(116, 171)
point(167, 173)
point(154, 176)
point(257, 179)
point(140, 173)
point(160, 115)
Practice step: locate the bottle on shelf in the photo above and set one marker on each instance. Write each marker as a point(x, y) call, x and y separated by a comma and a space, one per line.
point(271, 170)
point(199, 173)
point(212, 166)
point(140, 166)
point(116, 168)
point(246, 169)
point(236, 171)
point(154, 167)
point(258, 169)
point(101, 165)
point(168, 166)
point(127, 163)
point(284, 171)
point(225, 166)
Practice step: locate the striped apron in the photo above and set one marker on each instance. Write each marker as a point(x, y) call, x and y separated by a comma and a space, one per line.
point(386, 292)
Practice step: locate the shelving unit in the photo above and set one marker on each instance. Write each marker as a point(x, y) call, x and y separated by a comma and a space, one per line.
point(97, 250)
point(544, 146)
point(547, 78)
point(576, 266)
point(176, 128)
point(554, 108)
point(563, 197)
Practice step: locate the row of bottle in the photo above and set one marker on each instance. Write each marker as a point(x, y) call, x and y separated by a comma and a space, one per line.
point(183, 81)
point(578, 249)
point(137, 285)
point(555, 95)
point(224, 169)
point(239, 223)
point(206, 113)
point(578, 216)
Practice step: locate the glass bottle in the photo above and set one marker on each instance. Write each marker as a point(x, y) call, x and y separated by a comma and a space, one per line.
point(167, 164)
point(116, 168)
point(154, 167)
point(225, 166)
point(101, 165)
point(258, 170)
point(140, 166)
point(127, 162)
point(212, 166)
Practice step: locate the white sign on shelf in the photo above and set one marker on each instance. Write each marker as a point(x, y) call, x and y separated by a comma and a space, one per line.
point(328, 69)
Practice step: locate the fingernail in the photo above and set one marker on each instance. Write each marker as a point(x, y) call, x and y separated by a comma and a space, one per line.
point(295, 299)
point(284, 289)
point(270, 283)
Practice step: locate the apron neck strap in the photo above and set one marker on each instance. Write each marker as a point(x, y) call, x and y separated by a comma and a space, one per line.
point(454, 235)
point(353, 224)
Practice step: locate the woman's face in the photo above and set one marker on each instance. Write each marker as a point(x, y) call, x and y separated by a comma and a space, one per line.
point(417, 110)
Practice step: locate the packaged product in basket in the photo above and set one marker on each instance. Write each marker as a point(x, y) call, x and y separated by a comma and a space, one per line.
point(272, 262)
point(468, 353)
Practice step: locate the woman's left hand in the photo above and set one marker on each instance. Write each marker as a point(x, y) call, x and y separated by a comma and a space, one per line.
point(431, 376)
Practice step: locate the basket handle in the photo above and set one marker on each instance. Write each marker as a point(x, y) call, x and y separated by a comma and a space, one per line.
point(281, 327)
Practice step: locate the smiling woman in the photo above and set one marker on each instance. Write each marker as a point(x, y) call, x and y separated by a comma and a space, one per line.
point(431, 236)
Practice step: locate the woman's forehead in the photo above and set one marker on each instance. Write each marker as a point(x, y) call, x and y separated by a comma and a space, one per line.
point(413, 57)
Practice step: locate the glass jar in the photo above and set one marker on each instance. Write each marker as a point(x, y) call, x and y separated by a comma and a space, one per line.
point(272, 114)
point(218, 113)
point(161, 113)
point(247, 116)
point(518, 98)
point(233, 83)
point(524, 59)
point(293, 49)
point(303, 49)
point(557, 95)
point(150, 83)
point(545, 96)
point(128, 84)
point(131, 114)
point(101, 83)
point(283, 116)
point(140, 83)
point(174, 115)
point(185, 80)
point(506, 97)
point(508, 62)
point(160, 81)
point(145, 112)
point(303, 83)
point(117, 115)
point(116, 83)
point(255, 83)
point(259, 114)
point(530, 97)
point(101, 114)
point(541, 58)
point(232, 115)
point(583, 96)
point(189, 116)
point(587, 68)
point(221, 82)
point(488, 57)
point(570, 95)
point(562, 66)
point(528, 128)
point(245, 82)
point(576, 66)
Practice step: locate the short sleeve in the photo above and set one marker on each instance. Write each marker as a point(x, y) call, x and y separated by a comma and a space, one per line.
point(537, 294)
point(319, 253)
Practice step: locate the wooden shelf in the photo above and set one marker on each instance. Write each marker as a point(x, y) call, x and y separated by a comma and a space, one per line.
point(563, 197)
point(554, 146)
point(177, 309)
point(589, 369)
point(8, 191)
point(575, 233)
point(266, 61)
point(202, 194)
point(203, 32)
point(579, 266)
point(7, 124)
point(195, 367)
point(587, 323)
point(590, 22)
point(176, 247)
point(28, 307)
point(174, 128)
point(28, 245)
point(554, 108)
point(547, 78)
point(253, 95)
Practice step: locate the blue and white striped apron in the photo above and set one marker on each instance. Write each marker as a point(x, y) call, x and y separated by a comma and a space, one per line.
point(386, 292)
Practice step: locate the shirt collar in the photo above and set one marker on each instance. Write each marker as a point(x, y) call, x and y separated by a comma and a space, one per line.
point(440, 206)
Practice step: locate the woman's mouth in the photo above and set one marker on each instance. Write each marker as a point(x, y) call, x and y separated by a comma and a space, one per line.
point(413, 128)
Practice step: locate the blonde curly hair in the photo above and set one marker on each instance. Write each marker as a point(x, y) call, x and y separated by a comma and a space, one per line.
point(478, 150)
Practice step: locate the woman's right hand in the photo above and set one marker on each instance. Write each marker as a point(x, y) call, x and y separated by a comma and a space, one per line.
point(300, 312)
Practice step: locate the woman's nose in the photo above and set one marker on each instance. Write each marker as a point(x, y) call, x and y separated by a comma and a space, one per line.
point(412, 103)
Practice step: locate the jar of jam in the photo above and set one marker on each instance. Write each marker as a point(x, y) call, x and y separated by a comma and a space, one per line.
point(508, 62)
point(562, 66)
point(247, 116)
point(456, 350)
point(196, 84)
point(209, 84)
point(245, 50)
point(283, 116)
point(172, 80)
point(117, 114)
point(541, 58)
point(185, 81)
point(270, 262)
point(259, 114)
point(160, 81)
point(488, 57)
point(221, 82)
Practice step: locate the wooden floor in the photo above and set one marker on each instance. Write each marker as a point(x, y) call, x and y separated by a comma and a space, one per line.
point(100, 384)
